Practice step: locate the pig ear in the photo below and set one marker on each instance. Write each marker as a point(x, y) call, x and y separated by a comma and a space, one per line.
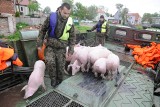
point(70, 65)
point(78, 45)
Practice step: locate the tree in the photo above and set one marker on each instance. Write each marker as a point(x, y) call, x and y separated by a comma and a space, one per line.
point(33, 6)
point(155, 14)
point(119, 6)
point(119, 12)
point(124, 15)
point(69, 2)
point(47, 10)
point(147, 17)
point(91, 12)
point(80, 11)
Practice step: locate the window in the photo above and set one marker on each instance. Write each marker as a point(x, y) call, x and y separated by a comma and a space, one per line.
point(121, 32)
point(145, 36)
point(158, 37)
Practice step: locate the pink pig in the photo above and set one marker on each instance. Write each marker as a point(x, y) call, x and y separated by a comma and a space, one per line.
point(100, 67)
point(113, 64)
point(80, 55)
point(97, 53)
point(36, 79)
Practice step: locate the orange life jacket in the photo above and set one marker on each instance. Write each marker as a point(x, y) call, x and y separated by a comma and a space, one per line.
point(146, 56)
point(5, 55)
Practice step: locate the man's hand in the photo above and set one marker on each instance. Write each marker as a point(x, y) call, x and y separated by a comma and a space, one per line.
point(39, 48)
point(45, 41)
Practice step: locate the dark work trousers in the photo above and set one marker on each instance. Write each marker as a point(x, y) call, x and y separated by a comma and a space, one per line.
point(55, 62)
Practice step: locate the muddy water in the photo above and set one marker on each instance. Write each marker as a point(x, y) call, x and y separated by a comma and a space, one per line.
point(10, 97)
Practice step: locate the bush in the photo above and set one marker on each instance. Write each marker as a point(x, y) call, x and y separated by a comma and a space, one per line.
point(139, 27)
point(17, 14)
point(2, 36)
point(21, 25)
point(14, 37)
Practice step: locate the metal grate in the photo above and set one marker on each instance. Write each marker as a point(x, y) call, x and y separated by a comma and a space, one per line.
point(74, 104)
point(125, 63)
point(52, 99)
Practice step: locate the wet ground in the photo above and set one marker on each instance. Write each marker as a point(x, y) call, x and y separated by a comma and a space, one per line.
point(10, 97)
point(13, 97)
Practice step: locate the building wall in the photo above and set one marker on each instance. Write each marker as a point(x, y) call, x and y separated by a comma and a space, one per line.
point(31, 21)
point(133, 21)
point(7, 24)
point(3, 25)
point(23, 9)
point(7, 6)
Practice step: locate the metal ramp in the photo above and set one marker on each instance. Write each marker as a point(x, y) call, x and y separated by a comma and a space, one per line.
point(135, 91)
point(81, 90)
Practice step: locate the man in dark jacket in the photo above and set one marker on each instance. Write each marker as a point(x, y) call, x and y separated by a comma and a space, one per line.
point(60, 35)
point(102, 28)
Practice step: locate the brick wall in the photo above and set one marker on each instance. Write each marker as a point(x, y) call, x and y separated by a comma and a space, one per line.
point(7, 6)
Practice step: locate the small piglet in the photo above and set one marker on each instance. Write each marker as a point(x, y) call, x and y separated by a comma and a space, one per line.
point(100, 67)
point(112, 65)
point(36, 79)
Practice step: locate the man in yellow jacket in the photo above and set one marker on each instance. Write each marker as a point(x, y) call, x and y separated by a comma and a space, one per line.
point(102, 28)
point(60, 28)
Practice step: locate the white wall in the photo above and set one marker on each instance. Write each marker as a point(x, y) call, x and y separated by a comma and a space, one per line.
point(25, 10)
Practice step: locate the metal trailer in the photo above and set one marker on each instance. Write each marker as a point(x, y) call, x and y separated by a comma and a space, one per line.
point(135, 85)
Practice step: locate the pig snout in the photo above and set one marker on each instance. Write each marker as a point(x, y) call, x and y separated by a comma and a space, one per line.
point(75, 67)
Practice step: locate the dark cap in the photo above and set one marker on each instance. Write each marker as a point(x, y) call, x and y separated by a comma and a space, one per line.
point(102, 16)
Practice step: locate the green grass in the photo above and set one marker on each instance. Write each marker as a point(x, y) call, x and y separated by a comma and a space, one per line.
point(82, 29)
point(139, 27)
